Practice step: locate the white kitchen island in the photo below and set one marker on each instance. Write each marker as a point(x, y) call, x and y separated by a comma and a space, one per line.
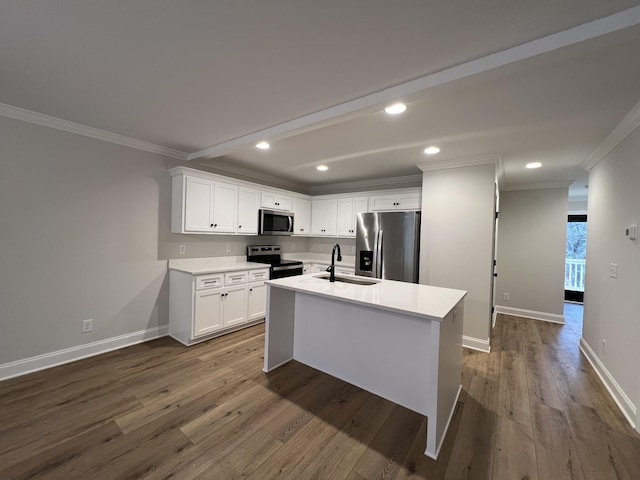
point(401, 341)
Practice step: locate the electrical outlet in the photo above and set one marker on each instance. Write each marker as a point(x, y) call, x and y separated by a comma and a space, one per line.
point(182, 249)
point(613, 270)
point(87, 325)
point(506, 296)
point(228, 248)
point(604, 346)
point(353, 250)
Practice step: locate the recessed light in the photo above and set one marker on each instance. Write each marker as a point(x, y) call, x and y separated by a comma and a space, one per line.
point(533, 165)
point(322, 168)
point(263, 145)
point(396, 108)
point(432, 150)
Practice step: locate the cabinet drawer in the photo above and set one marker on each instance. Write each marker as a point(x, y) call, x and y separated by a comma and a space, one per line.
point(208, 281)
point(235, 278)
point(258, 275)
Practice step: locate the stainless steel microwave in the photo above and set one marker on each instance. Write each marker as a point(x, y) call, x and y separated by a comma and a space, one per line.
point(274, 222)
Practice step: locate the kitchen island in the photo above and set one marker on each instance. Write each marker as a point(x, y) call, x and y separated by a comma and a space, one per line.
point(401, 341)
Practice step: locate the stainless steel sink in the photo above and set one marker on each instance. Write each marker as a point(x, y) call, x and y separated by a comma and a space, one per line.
point(355, 281)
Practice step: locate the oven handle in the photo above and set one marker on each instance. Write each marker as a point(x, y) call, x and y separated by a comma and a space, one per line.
point(285, 267)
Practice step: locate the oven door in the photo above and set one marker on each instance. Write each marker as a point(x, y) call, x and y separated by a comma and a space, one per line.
point(283, 271)
point(272, 222)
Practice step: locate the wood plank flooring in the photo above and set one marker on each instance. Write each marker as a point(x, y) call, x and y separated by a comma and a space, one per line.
point(531, 409)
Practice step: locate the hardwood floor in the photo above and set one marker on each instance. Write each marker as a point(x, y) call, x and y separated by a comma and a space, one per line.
point(531, 409)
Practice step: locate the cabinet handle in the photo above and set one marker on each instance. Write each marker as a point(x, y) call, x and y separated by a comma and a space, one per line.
point(215, 224)
point(212, 224)
point(239, 226)
point(251, 289)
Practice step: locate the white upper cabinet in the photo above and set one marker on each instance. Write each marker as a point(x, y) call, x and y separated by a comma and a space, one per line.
point(302, 216)
point(225, 204)
point(410, 200)
point(275, 201)
point(324, 217)
point(348, 208)
point(198, 202)
point(248, 205)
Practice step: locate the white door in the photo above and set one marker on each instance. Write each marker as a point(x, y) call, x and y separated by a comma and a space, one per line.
point(257, 301)
point(198, 205)
point(224, 208)
point(302, 216)
point(409, 201)
point(247, 210)
point(345, 218)
point(382, 202)
point(234, 305)
point(207, 316)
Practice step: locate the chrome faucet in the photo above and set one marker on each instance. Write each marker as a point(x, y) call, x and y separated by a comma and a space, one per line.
point(332, 268)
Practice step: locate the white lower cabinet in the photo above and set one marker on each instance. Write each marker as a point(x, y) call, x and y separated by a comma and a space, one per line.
point(201, 306)
point(257, 301)
point(206, 312)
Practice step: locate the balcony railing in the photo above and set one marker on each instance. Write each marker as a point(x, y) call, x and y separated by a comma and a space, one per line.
point(574, 274)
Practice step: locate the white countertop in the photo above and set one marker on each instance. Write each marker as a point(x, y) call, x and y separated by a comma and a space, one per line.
point(324, 258)
point(201, 266)
point(433, 303)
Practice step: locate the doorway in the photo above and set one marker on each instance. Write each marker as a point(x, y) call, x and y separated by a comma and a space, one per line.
point(575, 258)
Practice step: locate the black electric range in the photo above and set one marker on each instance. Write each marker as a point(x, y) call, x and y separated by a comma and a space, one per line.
point(270, 254)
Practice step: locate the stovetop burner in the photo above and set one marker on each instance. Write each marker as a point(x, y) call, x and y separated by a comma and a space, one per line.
point(270, 254)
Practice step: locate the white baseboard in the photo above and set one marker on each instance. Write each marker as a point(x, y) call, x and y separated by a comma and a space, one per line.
point(521, 312)
point(48, 360)
point(476, 344)
point(625, 405)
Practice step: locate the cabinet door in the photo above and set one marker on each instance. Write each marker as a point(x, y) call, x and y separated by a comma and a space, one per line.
point(345, 218)
point(225, 208)
point(198, 205)
point(379, 203)
point(207, 316)
point(324, 217)
point(247, 211)
point(234, 305)
point(257, 301)
point(409, 201)
point(302, 216)
point(275, 201)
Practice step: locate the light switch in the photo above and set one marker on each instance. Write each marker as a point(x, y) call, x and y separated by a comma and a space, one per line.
point(613, 270)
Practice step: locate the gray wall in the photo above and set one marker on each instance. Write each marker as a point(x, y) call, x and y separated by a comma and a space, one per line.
point(532, 233)
point(80, 223)
point(456, 241)
point(611, 305)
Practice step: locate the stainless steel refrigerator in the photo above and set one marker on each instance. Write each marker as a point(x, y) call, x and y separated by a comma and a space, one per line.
point(388, 245)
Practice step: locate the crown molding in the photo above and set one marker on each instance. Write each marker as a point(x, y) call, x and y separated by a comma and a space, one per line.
point(21, 114)
point(626, 126)
point(462, 162)
point(246, 174)
point(539, 186)
point(362, 185)
point(572, 36)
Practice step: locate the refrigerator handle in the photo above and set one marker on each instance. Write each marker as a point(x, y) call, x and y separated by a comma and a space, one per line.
point(379, 255)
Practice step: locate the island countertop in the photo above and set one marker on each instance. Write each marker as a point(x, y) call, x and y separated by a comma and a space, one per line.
point(433, 303)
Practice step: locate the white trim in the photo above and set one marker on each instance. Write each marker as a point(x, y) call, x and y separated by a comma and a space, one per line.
point(65, 125)
point(60, 357)
point(408, 181)
point(521, 312)
point(627, 125)
point(625, 405)
point(476, 344)
point(461, 162)
point(446, 427)
point(538, 186)
point(572, 36)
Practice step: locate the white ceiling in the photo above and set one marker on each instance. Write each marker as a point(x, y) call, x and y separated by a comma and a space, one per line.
point(192, 75)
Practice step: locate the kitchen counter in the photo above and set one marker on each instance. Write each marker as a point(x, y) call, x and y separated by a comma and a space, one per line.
point(425, 301)
point(401, 341)
point(205, 265)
